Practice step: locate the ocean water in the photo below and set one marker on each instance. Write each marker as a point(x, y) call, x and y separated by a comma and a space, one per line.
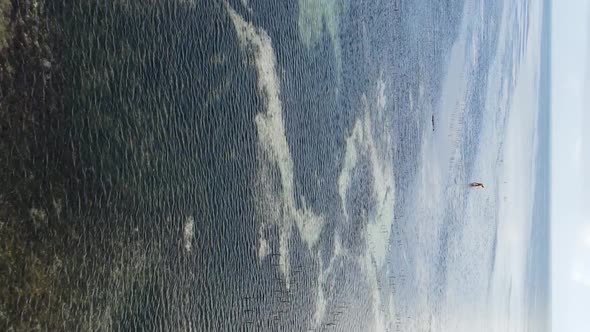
point(302, 165)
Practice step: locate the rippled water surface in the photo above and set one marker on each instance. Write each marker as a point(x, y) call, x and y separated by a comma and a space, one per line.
point(265, 166)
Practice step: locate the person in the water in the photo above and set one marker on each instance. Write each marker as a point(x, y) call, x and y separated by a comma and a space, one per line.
point(477, 185)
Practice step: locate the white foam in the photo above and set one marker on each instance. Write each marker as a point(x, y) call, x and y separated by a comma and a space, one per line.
point(370, 140)
point(379, 228)
point(320, 301)
point(381, 97)
point(313, 16)
point(371, 270)
point(189, 233)
point(350, 160)
point(277, 206)
point(246, 5)
point(364, 142)
point(322, 280)
point(263, 248)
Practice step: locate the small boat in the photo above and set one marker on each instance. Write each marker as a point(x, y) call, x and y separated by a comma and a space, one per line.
point(476, 185)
